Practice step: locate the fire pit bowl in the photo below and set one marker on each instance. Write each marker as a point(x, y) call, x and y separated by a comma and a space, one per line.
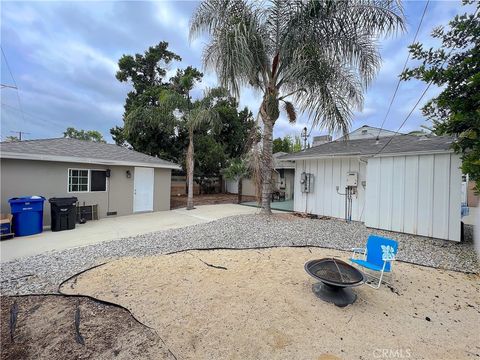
point(336, 278)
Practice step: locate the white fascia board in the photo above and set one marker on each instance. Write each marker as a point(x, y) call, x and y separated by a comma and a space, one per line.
point(72, 159)
point(329, 156)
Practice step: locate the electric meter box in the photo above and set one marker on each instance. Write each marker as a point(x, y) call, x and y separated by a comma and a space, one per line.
point(306, 182)
point(352, 179)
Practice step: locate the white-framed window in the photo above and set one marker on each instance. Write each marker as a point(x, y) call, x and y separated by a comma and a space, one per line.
point(78, 180)
point(87, 180)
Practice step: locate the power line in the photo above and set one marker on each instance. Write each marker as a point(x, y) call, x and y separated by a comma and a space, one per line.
point(403, 69)
point(422, 95)
point(14, 83)
point(8, 86)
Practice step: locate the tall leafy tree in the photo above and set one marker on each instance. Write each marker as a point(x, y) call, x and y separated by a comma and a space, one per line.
point(283, 145)
point(148, 127)
point(89, 135)
point(314, 56)
point(146, 72)
point(455, 65)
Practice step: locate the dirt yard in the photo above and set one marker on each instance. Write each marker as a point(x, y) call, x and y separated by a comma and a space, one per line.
point(207, 199)
point(45, 329)
point(258, 304)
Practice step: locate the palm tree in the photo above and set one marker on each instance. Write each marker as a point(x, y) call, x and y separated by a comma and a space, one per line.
point(202, 114)
point(237, 171)
point(320, 53)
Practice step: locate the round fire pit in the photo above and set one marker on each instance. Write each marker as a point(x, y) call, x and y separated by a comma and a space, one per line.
point(336, 278)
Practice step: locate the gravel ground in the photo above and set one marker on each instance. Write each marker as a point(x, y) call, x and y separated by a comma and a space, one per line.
point(43, 273)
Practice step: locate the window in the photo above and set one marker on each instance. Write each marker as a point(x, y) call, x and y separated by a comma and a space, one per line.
point(84, 180)
point(77, 180)
point(98, 180)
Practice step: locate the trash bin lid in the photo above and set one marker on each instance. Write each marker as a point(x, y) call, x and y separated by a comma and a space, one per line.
point(62, 201)
point(22, 199)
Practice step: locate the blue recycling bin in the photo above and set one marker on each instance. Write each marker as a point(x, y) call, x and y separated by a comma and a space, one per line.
point(27, 214)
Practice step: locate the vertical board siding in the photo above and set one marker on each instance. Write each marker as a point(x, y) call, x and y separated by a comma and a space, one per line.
point(298, 198)
point(425, 195)
point(337, 200)
point(398, 194)
point(328, 174)
point(410, 195)
point(312, 169)
point(455, 191)
point(386, 190)
point(362, 176)
point(441, 178)
point(327, 193)
point(416, 194)
point(372, 198)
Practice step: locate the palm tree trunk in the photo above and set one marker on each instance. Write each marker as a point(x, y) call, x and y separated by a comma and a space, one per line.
point(190, 170)
point(239, 191)
point(267, 165)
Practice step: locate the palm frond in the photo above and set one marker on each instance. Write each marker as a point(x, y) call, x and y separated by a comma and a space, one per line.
point(237, 47)
point(290, 110)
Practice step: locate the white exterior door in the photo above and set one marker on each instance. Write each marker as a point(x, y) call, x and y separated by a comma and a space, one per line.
point(143, 181)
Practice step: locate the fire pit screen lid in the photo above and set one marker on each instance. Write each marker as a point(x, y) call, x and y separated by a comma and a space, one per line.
point(334, 271)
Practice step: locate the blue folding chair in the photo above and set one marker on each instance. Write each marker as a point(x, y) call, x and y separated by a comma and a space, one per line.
point(377, 256)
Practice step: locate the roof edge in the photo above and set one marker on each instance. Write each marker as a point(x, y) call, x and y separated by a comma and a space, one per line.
point(320, 156)
point(73, 159)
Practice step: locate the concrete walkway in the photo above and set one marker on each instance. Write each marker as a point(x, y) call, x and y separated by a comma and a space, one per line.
point(114, 228)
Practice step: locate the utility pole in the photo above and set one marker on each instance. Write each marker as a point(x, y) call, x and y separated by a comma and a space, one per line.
point(304, 136)
point(20, 134)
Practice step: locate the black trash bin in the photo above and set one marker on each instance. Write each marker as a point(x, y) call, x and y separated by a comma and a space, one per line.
point(63, 212)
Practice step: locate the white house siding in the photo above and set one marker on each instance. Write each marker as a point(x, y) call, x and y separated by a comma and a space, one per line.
point(415, 194)
point(324, 199)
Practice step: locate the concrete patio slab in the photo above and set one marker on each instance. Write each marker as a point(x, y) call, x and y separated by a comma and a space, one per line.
point(286, 205)
point(116, 227)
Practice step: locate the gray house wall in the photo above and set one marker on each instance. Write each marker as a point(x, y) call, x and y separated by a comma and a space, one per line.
point(50, 179)
point(161, 191)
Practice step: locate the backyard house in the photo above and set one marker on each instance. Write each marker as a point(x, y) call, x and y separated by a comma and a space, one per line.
point(404, 183)
point(119, 181)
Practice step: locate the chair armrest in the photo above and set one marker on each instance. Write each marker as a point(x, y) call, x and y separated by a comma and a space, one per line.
point(356, 251)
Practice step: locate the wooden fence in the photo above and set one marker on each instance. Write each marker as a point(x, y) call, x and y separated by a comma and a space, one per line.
point(211, 185)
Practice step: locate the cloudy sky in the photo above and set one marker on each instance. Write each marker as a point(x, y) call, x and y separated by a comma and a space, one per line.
point(63, 56)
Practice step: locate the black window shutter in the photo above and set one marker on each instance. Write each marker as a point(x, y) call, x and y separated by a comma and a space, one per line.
point(98, 180)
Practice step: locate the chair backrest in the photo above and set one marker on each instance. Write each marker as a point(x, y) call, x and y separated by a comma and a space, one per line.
point(378, 247)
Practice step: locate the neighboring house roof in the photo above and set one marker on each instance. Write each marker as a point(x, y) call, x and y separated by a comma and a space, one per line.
point(398, 145)
point(367, 131)
point(282, 164)
point(79, 151)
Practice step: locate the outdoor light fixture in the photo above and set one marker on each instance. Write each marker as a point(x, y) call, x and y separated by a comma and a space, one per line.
point(129, 174)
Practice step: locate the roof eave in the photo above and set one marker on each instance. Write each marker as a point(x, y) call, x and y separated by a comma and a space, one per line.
point(328, 156)
point(73, 159)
